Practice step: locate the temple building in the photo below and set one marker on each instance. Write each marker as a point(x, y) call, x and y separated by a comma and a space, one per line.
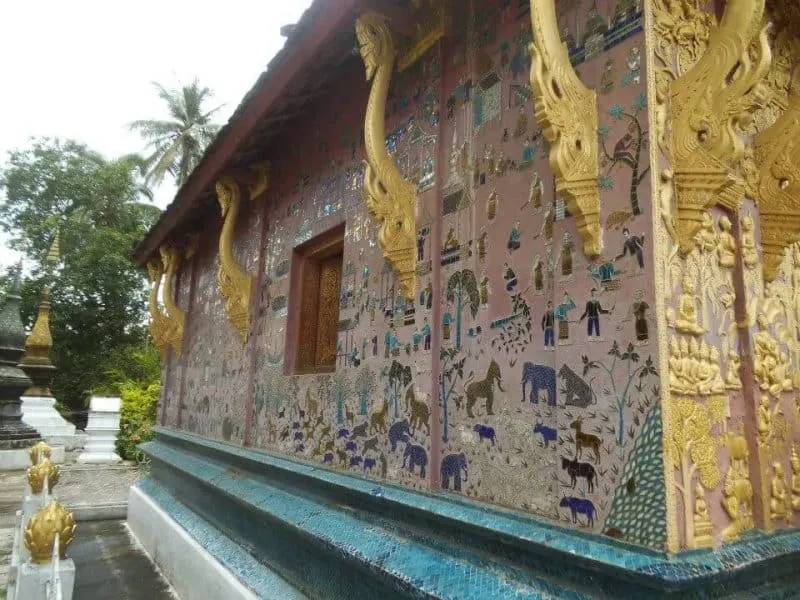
point(489, 299)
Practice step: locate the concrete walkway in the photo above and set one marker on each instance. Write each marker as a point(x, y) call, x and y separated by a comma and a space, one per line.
point(108, 562)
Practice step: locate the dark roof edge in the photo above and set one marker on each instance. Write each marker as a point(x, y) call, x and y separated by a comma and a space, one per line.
point(313, 30)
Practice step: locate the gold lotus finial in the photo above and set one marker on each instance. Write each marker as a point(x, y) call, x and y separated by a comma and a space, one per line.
point(37, 473)
point(38, 451)
point(40, 534)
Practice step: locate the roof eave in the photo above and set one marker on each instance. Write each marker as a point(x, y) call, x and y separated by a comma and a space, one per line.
point(323, 19)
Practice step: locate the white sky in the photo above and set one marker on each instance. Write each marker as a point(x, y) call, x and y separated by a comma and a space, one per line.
point(82, 69)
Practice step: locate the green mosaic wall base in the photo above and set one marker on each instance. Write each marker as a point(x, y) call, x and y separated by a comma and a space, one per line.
point(339, 536)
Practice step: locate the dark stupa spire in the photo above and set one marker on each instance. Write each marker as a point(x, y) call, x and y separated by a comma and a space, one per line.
point(14, 434)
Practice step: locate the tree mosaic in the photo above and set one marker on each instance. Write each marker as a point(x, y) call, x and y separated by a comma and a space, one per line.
point(627, 150)
point(398, 377)
point(462, 292)
point(341, 389)
point(634, 374)
point(366, 384)
point(452, 371)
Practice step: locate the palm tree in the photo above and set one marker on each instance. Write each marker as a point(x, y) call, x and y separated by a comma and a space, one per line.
point(179, 142)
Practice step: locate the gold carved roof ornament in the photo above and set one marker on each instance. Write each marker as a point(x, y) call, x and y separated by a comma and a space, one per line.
point(171, 258)
point(234, 283)
point(40, 534)
point(391, 199)
point(568, 112)
point(711, 104)
point(777, 156)
point(159, 321)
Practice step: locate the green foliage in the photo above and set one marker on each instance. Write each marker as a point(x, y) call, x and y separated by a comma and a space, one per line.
point(139, 407)
point(179, 142)
point(99, 297)
point(136, 379)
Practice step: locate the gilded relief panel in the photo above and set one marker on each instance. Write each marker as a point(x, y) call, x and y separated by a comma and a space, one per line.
point(722, 321)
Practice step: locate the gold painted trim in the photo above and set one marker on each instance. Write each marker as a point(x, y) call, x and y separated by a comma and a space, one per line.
point(659, 185)
point(262, 173)
point(567, 110)
point(234, 283)
point(708, 106)
point(176, 317)
point(777, 156)
point(391, 199)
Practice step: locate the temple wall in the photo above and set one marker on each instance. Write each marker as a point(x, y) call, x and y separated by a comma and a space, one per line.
point(496, 246)
point(215, 387)
point(174, 365)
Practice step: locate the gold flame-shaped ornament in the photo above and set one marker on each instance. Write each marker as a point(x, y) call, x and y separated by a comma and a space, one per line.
point(390, 198)
point(40, 534)
point(37, 473)
point(39, 451)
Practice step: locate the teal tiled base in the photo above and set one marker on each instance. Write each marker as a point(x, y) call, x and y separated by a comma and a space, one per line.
point(335, 536)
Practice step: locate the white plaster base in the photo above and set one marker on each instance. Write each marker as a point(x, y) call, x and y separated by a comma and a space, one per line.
point(191, 570)
point(40, 413)
point(18, 460)
point(32, 581)
point(102, 430)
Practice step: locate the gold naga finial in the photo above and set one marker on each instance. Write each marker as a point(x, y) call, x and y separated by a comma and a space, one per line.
point(390, 198)
point(777, 155)
point(709, 106)
point(568, 113)
point(40, 534)
point(235, 284)
point(159, 321)
point(39, 451)
point(176, 316)
point(44, 469)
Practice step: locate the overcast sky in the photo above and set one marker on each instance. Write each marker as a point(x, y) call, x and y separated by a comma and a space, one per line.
point(82, 69)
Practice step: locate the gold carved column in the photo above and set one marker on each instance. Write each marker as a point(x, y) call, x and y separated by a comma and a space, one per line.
point(704, 86)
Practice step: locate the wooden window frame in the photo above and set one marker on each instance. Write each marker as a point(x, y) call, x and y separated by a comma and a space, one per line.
point(303, 320)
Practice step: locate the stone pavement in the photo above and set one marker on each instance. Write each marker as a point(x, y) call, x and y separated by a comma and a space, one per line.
point(109, 563)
